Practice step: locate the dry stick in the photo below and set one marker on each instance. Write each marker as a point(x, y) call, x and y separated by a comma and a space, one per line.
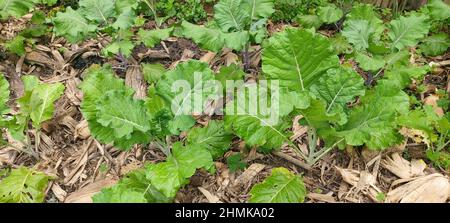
point(292, 160)
point(441, 64)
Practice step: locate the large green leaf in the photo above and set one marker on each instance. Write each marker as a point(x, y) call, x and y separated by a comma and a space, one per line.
point(125, 20)
point(358, 33)
point(180, 88)
point(121, 44)
point(438, 9)
point(16, 8)
point(17, 45)
point(339, 87)
point(435, 45)
point(424, 120)
point(4, 95)
point(41, 102)
point(98, 81)
point(309, 21)
point(23, 185)
point(297, 58)
point(245, 116)
point(317, 117)
point(259, 9)
point(97, 10)
point(330, 14)
point(213, 39)
point(36, 104)
point(373, 122)
point(153, 72)
point(388, 92)
point(407, 31)
point(168, 177)
point(230, 15)
point(133, 188)
point(236, 40)
point(16, 126)
point(213, 138)
point(72, 25)
point(402, 76)
point(232, 72)
point(281, 186)
point(152, 37)
point(98, 88)
point(125, 5)
point(371, 125)
point(370, 63)
point(206, 38)
point(122, 113)
point(367, 12)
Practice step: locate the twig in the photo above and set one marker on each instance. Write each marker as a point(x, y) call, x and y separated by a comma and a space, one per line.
point(293, 160)
point(440, 64)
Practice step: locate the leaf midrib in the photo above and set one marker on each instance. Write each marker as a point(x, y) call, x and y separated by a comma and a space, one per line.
point(97, 7)
point(8, 2)
point(282, 188)
point(44, 105)
point(297, 65)
point(139, 127)
point(228, 9)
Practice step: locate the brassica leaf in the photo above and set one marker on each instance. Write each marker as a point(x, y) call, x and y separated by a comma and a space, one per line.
point(297, 58)
point(23, 185)
point(281, 186)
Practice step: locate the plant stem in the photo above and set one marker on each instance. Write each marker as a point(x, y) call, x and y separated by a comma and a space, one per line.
point(153, 9)
point(29, 147)
point(443, 146)
point(322, 152)
point(162, 146)
point(245, 58)
point(312, 144)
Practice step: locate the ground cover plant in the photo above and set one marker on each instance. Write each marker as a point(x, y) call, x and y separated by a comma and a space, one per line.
point(258, 101)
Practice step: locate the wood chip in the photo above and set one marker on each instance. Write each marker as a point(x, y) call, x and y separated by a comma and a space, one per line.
point(208, 57)
point(59, 193)
point(248, 175)
point(82, 130)
point(135, 79)
point(327, 198)
point(84, 195)
point(211, 198)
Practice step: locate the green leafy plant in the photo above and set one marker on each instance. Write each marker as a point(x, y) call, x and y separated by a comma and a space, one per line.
point(114, 116)
point(18, 8)
point(23, 185)
point(435, 45)
point(323, 13)
point(236, 24)
point(36, 28)
point(235, 163)
point(281, 186)
point(4, 98)
point(190, 10)
point(213, 138)
point(150, 38)
point(287, 10)
point(37, 106)
point(329, 14)
point(93, 16)
point(159, 183)
point(428, 122)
